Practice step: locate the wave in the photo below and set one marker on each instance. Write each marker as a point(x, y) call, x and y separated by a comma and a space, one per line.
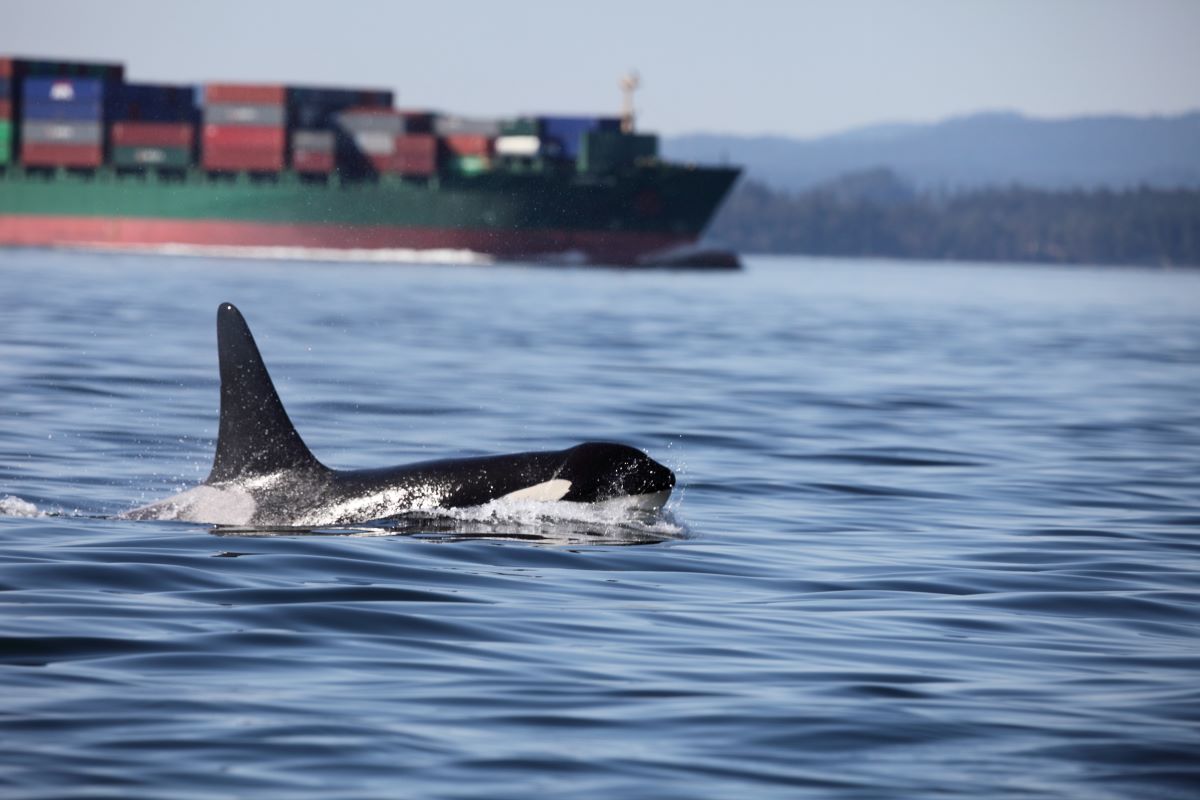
point(271, 253)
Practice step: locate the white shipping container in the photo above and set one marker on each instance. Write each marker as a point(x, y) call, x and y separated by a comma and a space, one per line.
point(518, 146)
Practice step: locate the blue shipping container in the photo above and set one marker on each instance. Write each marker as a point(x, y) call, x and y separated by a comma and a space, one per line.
point(5, 89)
point(62, 90)
point(62, 111)
point(342, 98)
point(567, 132)
point(151, 103)
point(317, 108)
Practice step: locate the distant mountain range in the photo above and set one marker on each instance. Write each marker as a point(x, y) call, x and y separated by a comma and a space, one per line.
point(981, 150)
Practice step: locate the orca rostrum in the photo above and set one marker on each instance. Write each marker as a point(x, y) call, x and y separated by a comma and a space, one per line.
point(263, 473)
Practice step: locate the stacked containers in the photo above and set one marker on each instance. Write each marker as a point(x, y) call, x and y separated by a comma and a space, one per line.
point(468, 153)
point(381, 138)
point(244, 127)
point(15, 71)
point(312, 114)
point(416, 155)
point(519, 138)
point(152, 125)
point(313, 151)
point(62, 122)
point(371, 135)
point(468, 142)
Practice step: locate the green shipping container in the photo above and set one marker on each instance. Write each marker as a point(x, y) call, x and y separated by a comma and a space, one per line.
point(468, 165)
point(521, 126)
point(5, 141)
point(172, 157)
point(605, 151)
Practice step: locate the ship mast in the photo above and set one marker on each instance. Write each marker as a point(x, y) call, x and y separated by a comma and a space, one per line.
point(630, 83)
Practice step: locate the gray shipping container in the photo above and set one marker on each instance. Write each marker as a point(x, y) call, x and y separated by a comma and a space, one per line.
point(62, 132)
point(244, 114)
point(312, 140)
point(392, 124)
point(375, 143)
point(477, 126)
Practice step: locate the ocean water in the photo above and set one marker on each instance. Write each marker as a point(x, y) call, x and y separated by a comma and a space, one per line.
point(937, 533)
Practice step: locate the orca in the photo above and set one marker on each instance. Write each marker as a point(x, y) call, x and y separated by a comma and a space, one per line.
point(263, 474)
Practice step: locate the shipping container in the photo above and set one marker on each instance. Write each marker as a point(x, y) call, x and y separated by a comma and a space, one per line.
point(83, 111)
point(312, 161)
point(447, 125)
point(321, 103)
point(316, 107)
point(21, 67)
point(244, 136)
point(159, 157)
point(62, 132)
point(243, 159)
point(5, 89)
point(519, 146)
point(468, 165)
point(369, 120)
point(153, 134)
point(42, 154)
point(417, 121)
point(261, 94)
point(6, 141)
point(151, 103)
point(243, 114)
point(313, 140)
point(375, 143)
point(338, 96)
point(519, 126)
point(464, 144)
point(415, 154)
point(5, 109)
point(562, 137)
point(62, 90)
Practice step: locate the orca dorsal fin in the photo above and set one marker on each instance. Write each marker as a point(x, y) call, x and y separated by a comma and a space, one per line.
point(255, 436)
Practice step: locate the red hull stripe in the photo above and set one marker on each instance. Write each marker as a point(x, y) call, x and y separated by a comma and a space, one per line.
point(605, 246)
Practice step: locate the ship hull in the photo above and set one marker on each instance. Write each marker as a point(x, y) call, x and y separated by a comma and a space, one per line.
point(65, 231)
point(616, 221)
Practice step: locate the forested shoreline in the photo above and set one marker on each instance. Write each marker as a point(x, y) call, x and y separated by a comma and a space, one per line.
point(876, 214)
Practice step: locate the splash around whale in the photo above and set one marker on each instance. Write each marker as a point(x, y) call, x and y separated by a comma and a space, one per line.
point(263, 473)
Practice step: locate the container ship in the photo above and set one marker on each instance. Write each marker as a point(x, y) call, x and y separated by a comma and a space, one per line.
point(88, 159)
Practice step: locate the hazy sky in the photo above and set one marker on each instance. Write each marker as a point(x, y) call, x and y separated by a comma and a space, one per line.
point(796, 68)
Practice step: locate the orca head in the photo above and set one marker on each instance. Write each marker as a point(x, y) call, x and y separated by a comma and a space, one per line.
point(603, 471)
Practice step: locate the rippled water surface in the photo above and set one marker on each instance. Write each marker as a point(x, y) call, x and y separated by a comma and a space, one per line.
point(936, 534)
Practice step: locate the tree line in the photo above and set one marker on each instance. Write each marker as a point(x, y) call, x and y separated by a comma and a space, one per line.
point(876, 214)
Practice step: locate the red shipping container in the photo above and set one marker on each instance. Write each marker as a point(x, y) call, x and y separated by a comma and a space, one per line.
point(243, 136)
point(255, 93)
point(241, 159)
point(152, 134)
point(468, 144)
point(5, 67)
point(312, 161)
point(416, 154)
point(5, 109)
point(39, 154)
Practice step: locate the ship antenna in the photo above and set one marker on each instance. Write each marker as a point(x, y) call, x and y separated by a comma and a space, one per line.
point(630, 83)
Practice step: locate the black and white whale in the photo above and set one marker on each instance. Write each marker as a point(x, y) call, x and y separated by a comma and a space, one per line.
point(264, 475)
